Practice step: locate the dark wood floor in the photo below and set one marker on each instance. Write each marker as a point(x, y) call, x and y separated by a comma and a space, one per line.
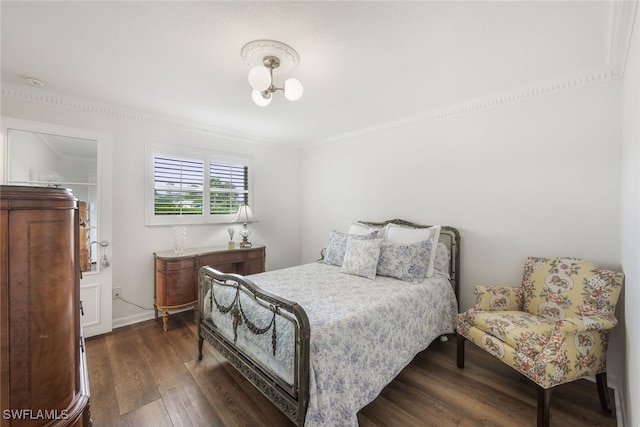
point(142, 376)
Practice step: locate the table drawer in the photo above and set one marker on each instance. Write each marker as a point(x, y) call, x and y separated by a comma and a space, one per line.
point(221, 258)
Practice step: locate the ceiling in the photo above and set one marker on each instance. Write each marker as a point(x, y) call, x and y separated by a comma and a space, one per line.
point(361, 63)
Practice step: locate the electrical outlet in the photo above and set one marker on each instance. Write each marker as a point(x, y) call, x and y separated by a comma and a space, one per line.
point(116, 293)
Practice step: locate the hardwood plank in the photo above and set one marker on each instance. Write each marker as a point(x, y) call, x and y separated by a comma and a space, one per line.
point(378, 412)
point(152, 414)
point(224, 394)
point(134, 384)
point(182, 397)
point(104, 408)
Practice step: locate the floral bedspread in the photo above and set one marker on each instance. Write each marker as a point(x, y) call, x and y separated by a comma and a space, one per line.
point(363, 332)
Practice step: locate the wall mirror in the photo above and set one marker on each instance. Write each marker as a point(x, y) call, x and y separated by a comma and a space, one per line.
point(47, 160)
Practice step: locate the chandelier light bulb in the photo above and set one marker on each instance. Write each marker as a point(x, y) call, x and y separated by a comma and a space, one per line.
point(260, 98)
point(293, 89)
point(259, 78)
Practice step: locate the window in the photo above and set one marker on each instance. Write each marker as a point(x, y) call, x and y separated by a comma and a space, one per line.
point(178, 187)
point(229, 188)
point(192, 187)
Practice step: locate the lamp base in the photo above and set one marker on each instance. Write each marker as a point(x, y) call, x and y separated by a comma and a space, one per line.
point(245, 243)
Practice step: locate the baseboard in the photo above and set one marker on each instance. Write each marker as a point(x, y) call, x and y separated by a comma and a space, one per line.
point(142, 317)
point(619, 401)
point(130, 320)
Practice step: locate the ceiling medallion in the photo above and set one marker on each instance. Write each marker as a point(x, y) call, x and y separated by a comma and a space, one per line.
point(253, 53)
point(264, 56)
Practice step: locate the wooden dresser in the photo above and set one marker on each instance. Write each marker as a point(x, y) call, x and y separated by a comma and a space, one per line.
point(176, 275)
point(42, 358)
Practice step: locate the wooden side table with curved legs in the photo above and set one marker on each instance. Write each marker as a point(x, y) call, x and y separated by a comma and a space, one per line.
point(176, 275)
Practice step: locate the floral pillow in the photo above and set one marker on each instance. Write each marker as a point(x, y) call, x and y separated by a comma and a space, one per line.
point(361, 256)
point(337, 246)
point(401, 234)
point(408, 262)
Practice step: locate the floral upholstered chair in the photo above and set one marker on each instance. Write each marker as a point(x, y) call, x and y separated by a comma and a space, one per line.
point(553, 329)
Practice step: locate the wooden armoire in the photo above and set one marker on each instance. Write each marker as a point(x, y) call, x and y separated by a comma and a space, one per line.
point(42, 358)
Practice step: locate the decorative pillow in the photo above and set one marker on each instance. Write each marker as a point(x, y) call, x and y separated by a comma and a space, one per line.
point(443, 258)
point(405, 262)
point(337, 246)
point(361, 256)
point(400, 234)
point(356, 227)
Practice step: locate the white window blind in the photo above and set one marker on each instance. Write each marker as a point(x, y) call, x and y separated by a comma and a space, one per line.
point(178, 186)
point(229, 187)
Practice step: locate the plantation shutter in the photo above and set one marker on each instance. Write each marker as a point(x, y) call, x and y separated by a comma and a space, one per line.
point(229, 187)
point(178, 186)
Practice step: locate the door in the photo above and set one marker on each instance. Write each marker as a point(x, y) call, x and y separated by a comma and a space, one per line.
point(42, 154)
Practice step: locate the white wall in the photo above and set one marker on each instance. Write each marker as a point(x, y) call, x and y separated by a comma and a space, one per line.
point(536, 177)
point(276, 202)
point(631, 226)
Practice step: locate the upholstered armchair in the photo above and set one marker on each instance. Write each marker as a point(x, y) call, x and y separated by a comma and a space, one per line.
point(553, 329)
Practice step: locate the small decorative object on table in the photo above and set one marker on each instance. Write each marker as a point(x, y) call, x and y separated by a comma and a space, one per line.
point(231, 231)
point(179, 237)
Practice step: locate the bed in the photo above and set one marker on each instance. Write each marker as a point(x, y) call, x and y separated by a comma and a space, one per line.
point(322, 340)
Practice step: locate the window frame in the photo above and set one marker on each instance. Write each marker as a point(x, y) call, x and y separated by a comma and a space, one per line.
point(191, 154)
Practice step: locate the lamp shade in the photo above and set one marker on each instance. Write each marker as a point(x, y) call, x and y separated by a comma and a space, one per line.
point(259, 78)
point(293, 89)
point(259, 99)
point(244, 215)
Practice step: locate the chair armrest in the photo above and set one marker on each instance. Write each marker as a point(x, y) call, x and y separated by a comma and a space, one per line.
point(561, 361)
point(498, 298)
point(585, 323)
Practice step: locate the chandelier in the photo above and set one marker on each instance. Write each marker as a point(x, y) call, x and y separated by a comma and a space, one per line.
point(273, 55)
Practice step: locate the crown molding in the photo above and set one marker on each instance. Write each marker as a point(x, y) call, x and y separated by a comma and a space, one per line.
point(621, 15)
point(45, 98)
point(477, 104)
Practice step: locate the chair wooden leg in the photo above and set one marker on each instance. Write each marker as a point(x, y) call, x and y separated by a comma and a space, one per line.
point(544, 401)
point(603, 392)
point(460, 353)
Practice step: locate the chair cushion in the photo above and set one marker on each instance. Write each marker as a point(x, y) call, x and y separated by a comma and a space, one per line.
point(525, 332)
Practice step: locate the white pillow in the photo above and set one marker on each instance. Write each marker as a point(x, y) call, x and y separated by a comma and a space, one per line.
point(356, 227)
point(400, 234)
point(361, 256)
point(443, 259)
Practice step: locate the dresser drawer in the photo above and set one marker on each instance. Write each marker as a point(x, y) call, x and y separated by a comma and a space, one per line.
point(255, 254)
point(221, 258)
point(175, 282)
point(179, 264)
point(182, 289)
